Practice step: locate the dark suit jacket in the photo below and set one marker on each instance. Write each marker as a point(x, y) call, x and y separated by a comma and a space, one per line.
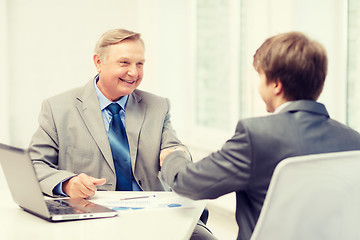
point(72, 139)
point(246, 162)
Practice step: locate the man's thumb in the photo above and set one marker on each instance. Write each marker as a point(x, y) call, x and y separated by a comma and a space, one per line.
point(98, 181)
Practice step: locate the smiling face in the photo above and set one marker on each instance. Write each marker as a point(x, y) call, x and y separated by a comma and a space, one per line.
point(121, 69)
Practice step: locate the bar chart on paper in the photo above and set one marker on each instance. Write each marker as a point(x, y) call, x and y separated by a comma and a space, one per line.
point(144, 202)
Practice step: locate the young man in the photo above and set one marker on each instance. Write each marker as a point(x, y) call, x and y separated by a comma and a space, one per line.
point(292, 71)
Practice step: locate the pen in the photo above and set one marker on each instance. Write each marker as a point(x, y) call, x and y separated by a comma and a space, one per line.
point(130, 198)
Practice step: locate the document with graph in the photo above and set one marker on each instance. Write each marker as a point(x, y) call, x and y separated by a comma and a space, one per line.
point(143, 201)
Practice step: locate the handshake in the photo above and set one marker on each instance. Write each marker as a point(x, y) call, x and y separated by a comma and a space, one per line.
point(165, 152)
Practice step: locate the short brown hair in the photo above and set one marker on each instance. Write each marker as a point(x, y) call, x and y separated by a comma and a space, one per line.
point(298, 62)
point(112, 37)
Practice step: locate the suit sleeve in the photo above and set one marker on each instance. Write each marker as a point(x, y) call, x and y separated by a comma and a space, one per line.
point(222, 172)
point(44, 150)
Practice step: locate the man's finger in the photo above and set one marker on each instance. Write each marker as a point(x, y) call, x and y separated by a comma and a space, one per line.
point(98, 181)
point(83, 185)
point(87, 182)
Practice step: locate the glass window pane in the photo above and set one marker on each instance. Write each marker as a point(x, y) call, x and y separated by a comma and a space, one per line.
point(353, 100)
point(214, 54)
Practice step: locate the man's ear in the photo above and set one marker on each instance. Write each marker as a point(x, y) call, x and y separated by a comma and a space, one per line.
point(278, 87)
point(97, 62)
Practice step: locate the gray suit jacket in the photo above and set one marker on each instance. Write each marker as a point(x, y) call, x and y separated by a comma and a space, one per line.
point(72, 139)
point(246, 162)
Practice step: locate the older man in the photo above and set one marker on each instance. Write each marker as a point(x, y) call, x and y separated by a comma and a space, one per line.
point(108, 134)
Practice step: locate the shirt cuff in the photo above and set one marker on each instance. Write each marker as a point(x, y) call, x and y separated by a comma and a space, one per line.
point(58, 188)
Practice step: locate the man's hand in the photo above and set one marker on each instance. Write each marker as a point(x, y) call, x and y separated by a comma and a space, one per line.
point(82, 186)
point(165, 152)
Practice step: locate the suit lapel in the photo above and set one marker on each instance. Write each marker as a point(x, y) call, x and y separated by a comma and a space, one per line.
point(89, 109)
point(134, 119)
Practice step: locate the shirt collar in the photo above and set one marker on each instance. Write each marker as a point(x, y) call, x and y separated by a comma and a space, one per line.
point(104, 102)
point(282, 106)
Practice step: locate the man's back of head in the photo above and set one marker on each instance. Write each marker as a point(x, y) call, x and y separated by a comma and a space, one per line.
point(299, 63)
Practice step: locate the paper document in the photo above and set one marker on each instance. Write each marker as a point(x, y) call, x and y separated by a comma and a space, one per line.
point(146, 201)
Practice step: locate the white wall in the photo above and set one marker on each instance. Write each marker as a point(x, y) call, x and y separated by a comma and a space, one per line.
point(4, 95)
point(50, 46)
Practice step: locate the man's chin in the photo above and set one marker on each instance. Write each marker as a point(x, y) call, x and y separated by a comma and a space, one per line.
point(127, 90)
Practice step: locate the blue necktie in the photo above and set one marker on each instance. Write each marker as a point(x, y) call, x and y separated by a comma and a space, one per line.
point(120, 150)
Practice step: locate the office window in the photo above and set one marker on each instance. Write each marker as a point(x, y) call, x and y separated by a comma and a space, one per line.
point(217, 84)
point(353, 83)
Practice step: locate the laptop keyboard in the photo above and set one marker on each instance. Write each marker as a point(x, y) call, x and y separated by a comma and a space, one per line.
point(60, 207)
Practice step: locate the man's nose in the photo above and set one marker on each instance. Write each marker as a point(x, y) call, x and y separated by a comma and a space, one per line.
point(132, 71)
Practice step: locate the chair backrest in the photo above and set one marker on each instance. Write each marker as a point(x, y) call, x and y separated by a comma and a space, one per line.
point(313, 197)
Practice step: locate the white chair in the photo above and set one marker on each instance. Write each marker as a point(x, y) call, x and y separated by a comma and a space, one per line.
point(313, 197)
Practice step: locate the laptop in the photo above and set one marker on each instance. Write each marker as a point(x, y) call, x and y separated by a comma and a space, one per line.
point(26, 191)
